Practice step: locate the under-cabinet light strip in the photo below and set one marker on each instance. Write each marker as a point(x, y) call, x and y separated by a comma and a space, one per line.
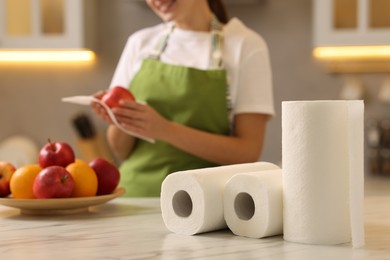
point(352, 52)
point(46, 55)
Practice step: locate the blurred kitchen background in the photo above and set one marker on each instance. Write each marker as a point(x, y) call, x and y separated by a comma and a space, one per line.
point(30, 93)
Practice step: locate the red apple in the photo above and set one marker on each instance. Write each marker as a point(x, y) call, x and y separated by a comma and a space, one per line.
point(53, 182)
point(56, 153)
point(107, 174)
point(115, 94)
point(7, 169)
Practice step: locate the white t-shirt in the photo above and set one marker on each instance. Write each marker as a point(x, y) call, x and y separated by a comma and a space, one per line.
point(245, 57)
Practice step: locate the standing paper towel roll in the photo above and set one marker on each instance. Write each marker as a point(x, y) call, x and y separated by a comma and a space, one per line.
point(192, 201)
point(253, 204)
point(323, 175)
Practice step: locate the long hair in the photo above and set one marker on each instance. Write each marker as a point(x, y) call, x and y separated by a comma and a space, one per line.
point(219, 10)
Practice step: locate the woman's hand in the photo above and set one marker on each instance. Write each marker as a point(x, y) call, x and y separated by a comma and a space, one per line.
point(141, 119)
point(120, 143)
point(246, 141)
point(99, 109)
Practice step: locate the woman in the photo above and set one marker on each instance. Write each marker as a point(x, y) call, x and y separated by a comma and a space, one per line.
point(205, 83)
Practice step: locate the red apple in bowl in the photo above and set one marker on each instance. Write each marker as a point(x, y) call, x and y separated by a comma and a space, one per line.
point(56, 153)
point(114, 95)
point(108, 175)
point(53, 182)
point(7, 169)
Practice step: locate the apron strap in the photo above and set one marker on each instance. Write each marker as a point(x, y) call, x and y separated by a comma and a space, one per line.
point(162, 43)
point(216, 44)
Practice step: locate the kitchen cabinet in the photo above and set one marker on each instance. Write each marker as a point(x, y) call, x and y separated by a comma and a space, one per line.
point(352, 36)
point(351, 22)
point(46, 24)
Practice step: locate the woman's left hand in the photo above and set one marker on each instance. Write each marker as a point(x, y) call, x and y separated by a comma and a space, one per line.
point(141, 119)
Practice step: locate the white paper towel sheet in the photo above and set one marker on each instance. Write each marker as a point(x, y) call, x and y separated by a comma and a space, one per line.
point(323, 171)
point(253, 204)
point(192, 201)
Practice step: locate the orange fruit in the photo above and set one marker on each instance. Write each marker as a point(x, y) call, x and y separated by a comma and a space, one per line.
point(21, 183)
point(85, 179)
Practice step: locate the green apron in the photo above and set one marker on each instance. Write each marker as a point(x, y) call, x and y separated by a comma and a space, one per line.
point(192, 97)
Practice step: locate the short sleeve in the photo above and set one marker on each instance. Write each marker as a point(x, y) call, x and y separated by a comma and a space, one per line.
point(254, 83)
point(122, 74)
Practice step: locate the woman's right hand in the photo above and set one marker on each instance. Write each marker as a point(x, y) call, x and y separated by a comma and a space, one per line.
point(99, 110)
point(120, 142)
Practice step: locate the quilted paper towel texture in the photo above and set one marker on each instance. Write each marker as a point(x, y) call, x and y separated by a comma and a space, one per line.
point(323, 171)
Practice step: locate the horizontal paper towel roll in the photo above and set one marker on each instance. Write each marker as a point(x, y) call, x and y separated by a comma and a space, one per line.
point(253, 204)
point(322, 150)
point(192, 201)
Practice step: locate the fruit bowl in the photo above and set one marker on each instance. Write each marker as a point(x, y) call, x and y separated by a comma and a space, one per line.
point(58, 206)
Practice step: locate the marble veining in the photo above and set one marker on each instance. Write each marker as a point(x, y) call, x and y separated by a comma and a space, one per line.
point(134, 229)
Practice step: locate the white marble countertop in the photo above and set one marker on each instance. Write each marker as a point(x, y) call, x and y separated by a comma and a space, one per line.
point(133, 229)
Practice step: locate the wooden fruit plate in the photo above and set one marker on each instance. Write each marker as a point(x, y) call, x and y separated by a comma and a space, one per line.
point(58, 206)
